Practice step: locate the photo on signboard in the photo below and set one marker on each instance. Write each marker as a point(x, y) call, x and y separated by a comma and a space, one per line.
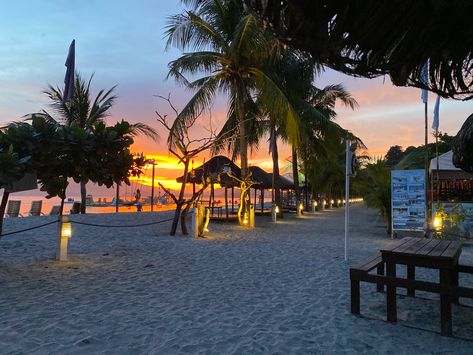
point(416, 188)
point(416, 179)
point(401, 211)
point(399, 180)
point(399, 203)
point(398, 188)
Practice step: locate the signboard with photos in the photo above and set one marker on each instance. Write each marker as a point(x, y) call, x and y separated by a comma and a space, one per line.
point(408, 202)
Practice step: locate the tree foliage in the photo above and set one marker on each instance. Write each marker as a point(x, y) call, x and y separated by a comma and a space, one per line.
point(374, 184)
point(370, 38)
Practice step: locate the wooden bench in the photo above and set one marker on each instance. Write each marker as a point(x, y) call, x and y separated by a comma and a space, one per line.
point(360, 273)
point(441, 255)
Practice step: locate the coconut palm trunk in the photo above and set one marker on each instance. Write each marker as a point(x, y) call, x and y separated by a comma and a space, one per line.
point(295, 176)
point(275, 156)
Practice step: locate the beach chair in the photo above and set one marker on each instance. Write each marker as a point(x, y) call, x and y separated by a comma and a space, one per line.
point(35, 209)
point(55, 210)
point(13, 208)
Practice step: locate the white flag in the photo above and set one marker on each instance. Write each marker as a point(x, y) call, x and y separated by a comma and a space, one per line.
point(435, 122)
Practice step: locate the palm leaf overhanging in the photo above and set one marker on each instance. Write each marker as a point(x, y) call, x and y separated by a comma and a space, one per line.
point(370, 38)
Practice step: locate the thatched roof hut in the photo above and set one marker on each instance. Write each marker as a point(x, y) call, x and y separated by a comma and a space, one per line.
point(215, 170)
point(265, 180)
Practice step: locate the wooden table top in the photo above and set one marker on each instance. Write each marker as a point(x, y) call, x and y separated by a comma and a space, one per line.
point(423, 248)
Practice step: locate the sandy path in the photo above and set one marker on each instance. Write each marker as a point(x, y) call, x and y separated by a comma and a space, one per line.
point(281, 289)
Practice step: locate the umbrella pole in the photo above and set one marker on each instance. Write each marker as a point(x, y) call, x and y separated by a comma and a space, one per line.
point(233, 199)
point(262, 200)
point(226, 204)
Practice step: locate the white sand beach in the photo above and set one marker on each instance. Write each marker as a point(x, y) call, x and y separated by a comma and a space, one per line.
point(279, 289)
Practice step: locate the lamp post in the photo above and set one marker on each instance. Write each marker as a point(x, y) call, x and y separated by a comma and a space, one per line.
point(152, 162)
point(152, 187)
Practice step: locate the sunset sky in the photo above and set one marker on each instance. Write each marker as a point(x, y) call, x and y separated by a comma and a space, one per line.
point(123, 43)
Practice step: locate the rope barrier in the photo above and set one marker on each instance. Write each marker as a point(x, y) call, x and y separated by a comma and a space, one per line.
point(28, 229)
point(121, 226)
point(92, 225)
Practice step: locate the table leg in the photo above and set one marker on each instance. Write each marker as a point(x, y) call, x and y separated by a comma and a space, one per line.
point(411, 275)
point(355, 296)
point(391, 307)
point(380, 272)
point(455, 283)
point(445, 302)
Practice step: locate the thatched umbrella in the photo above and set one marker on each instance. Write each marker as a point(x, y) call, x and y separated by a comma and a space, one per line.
point(463, 146)
point(263, 181)
point(215, 169)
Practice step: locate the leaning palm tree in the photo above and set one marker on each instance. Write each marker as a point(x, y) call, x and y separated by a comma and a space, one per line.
point(85, 113)
point(229, 46)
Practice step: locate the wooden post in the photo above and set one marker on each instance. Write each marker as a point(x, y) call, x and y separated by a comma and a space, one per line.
point(411, 275)
point(445, 305)
point(233, 199)
point(152, 187)
point(226, 203)
point(262, 200)
point(391, 306)
point(455, 283)
point(380, 271)
point(355, 296)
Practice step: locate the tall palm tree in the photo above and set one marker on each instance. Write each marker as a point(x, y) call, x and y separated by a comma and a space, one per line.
point(317, 132)
point(85, 113)
point(229, 47)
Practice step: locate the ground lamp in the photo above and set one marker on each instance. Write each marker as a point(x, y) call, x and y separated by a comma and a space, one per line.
point(64, 233)
point(275, 212)
point(331, 203)
point(438, 222)
point(314, 205)
point(300, 209)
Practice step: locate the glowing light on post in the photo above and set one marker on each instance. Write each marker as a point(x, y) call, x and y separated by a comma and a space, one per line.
point(245, 219)
point(276, 209)
point(438, 222)
point(66, 230)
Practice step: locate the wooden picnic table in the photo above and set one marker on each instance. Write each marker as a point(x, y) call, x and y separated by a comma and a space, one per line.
point(429, 253)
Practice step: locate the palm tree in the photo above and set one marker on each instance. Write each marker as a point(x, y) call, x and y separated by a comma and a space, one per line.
point(85, 113)
point(317, 132)
point(230, 47)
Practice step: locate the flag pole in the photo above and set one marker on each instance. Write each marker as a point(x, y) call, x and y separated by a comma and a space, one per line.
point(347, 192)
point(435, 125)
point(426, 162)
point(437, 158)
point(425, 98)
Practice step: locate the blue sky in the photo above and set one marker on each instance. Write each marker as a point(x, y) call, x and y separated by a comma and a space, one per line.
point(122, 42)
